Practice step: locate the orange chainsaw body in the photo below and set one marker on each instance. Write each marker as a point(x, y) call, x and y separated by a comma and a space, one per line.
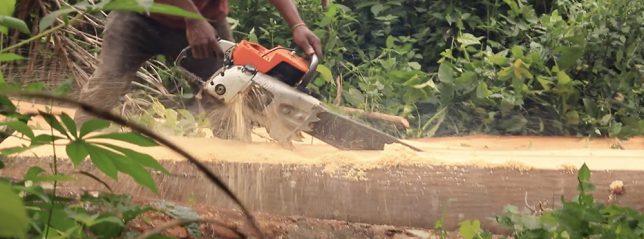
point(277, 62)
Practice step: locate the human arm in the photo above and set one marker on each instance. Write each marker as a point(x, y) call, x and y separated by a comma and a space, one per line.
point(201, 35)
point(302, 35)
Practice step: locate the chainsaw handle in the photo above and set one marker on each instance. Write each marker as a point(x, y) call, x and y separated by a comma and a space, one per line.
point(308, 76)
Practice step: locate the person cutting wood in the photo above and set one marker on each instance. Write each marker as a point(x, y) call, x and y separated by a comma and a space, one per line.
point(130, 39)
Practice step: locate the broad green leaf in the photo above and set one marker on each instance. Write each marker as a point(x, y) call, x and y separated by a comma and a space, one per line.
point(135, 170)
point(469, 229)
point(43, 139)
point(100, 158)
point(14, 221)
point(21, 127)
point(1, 164)
point(54, 123)
point(14, 150)
point(377, 8)
point(572, 117)
point(445, 73)
point(141, 158)
point(7, 7)
point(414, 65)
point(77, 151)
point(15, 23)
point(563, 78)
point(93, 125)
point(499, 58)
point(130, 137)
point(390, 43)
point(568, 56)
point(5, 57)
point(325, 72)
point(34, 174)
point(50, 18)
point(69, 124)
point(482, 91)
point(468, 39)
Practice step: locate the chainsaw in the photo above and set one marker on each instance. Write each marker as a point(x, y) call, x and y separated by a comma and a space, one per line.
point(273, 85)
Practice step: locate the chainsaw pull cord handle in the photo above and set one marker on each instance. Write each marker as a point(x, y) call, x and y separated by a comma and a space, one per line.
point(308, 76)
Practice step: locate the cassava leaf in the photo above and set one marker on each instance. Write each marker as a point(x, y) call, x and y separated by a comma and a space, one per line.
point(70, 124)
point(92, 125)
point(130, 137)
point(101, 159)
point(54, 123)
point(21, 127)
point(77, 151)
point(141, 158)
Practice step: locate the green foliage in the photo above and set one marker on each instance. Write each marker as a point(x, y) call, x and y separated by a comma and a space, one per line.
point(581, 217)
point(29, 209)
point(498, 67)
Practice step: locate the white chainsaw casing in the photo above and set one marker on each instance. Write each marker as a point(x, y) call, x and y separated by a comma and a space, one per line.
point(227, 83)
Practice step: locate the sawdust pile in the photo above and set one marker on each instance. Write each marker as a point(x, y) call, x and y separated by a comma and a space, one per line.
point(229, 121)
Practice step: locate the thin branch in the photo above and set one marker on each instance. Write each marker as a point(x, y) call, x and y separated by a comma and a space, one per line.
point(88, 174)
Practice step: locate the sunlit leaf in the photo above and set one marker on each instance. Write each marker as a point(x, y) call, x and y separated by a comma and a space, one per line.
point(469, 229)
point(4, 57)
point(325, 72)
point(468, 39)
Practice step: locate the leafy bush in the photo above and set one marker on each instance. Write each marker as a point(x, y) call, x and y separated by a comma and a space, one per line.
point(460, 67)
point(581, 217)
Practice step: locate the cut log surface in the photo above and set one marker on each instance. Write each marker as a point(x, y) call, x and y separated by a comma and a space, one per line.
point(456, 178)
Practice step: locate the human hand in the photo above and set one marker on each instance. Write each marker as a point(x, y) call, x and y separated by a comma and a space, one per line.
point(307, 40)
point(202, 38)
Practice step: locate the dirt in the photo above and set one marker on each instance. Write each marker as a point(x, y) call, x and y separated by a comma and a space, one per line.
point(218, 223)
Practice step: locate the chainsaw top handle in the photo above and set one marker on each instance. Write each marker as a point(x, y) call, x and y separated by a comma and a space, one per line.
point(306, 79)
point(308, 76)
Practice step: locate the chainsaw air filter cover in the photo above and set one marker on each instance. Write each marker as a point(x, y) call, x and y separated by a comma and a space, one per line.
point(278, 62)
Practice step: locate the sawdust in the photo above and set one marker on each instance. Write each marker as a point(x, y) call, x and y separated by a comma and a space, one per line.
point(229, 121)
point(517, 153)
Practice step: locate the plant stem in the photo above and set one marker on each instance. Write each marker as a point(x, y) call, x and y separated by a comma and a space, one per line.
point(55, 169)
point(39, 35)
